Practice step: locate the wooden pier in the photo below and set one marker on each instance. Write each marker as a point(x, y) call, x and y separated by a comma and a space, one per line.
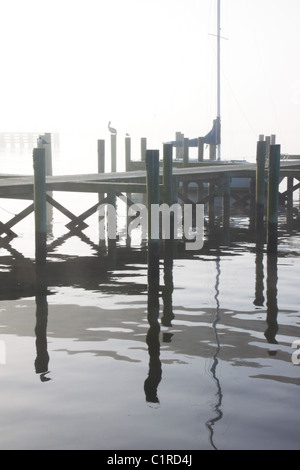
point(211, 179)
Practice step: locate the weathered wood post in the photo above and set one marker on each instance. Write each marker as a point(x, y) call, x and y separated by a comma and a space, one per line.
point(45, 142)
point(127, 153)
point(128, 168)
point(113, 150)
point(40, 209)
point(252, 202)
point(261, 155)
point(153, 197)
point(289, 202)
point(101, 169)
point(101, 156)
point(212, 152)
point(268, 141)
point(185, 152)
point(200, 149)
point(226, 201)
point(179, 148)
point(143, 148)
point(168, 315)
point(211, 205)
point(168, 181)
point(167, 173)
point(273, 187)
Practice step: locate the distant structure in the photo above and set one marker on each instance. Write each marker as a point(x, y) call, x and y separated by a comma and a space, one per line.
point(23, 141)
point(112, 129)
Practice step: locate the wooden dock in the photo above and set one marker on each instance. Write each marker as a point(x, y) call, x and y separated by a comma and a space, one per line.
point(211, 179)
point(21, 187)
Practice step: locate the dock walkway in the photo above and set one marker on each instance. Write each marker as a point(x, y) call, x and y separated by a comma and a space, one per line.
point(20, 186)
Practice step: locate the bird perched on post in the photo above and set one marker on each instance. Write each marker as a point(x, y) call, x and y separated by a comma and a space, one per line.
point(111, 129)
point(42, 141)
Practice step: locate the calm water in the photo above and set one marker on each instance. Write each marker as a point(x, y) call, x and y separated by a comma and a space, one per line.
point(87, 368)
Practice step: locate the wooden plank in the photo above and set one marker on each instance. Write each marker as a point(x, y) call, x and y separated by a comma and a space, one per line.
point(97, 187)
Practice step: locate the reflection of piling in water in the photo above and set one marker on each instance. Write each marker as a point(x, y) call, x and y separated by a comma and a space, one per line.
point(167, 290)
point(272, 306)
point(152, 340)
point(155, 371)
point(42, 357)
point(259, 277)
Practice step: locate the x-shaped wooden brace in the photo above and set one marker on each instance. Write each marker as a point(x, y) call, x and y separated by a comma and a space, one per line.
point(6, 228)
point(77, 222)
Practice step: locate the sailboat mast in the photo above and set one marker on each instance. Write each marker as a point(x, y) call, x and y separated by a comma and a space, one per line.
point(219, 72)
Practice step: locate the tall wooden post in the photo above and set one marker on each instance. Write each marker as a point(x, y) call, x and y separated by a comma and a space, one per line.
point(143, 148)
point(179, 150)
point(226, 202)
point(127, 153)
point(153, 197)
point(168, 181)
point(101, 156)
point(289, 202)
point(261, 155)
point(185, 152)
point(46, 143)
point(113, 150)
point(211, 205)
point(273, 187)
point(40, 211)
point(200, 149)
point(252, 203)
point(212, 152)
point(167, 173)
point(101, 169)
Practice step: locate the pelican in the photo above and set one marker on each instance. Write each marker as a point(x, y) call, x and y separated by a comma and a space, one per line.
point(111, 129)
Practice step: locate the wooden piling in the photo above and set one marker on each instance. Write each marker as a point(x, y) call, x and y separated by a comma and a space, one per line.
point(153, 197)
point(273, 196)
point(252, 203)
point(47, 138)
point(167, 173)
point(211, 205)
point(226, 202)
point(143, 148)
point(200, 149)
point(101, 170)
point(185, 152)
point(212, 152)
point(101, 156)
point(168, 181)
point(289, 203)
point(179, 150)
point(261, 155)
point(127, 153)
point(113, 150)
point(40, 211)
